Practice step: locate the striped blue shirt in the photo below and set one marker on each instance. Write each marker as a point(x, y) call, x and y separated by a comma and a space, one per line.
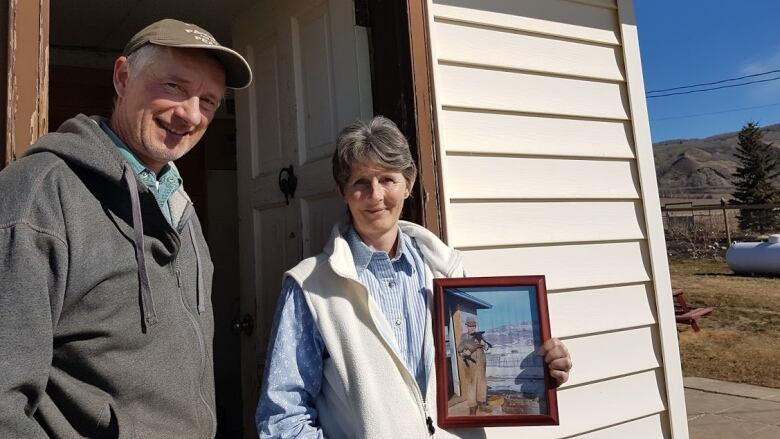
point(294, 366)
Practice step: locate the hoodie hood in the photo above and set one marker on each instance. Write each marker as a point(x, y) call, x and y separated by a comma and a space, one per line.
point(81, 142)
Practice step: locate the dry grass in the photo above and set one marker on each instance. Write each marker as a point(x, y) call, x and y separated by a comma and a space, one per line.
point(740, 341)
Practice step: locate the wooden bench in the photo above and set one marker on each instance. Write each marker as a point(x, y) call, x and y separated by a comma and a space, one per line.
point(685, 314)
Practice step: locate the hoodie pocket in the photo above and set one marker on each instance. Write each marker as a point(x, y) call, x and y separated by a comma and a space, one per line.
point(78, 416)
point(107, 423)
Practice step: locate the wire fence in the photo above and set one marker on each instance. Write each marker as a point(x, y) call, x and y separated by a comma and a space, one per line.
point(707, 230)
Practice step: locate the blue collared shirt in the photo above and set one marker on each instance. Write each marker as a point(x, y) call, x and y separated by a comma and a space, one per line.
point(163, 187)
point(295, 353)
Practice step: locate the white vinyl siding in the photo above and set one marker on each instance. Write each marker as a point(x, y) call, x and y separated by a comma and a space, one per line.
point(551, 222)
point(580, 312)
point(524, 177)
point(511, 91)
point(483, 46)
point(655, 426)
point(565, 266)
point(576, 20)
point(497, 133)
point(545, 170)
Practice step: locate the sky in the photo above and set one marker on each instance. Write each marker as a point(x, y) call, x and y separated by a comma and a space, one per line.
point(685, 42)
point(511, 305)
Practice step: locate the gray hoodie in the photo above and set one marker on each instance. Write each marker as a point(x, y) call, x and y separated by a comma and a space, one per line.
point(105, 314)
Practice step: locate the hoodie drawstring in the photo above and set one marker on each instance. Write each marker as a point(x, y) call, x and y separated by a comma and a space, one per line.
point(147, 304)
point(201, 288)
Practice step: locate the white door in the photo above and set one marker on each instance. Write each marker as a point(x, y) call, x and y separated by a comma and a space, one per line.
point(311, 77)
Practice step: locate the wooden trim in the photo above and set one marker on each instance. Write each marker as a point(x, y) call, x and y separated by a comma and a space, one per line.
point(28, 76)
point(661, 279)
point(424, 99)
point(42, 88)
point(401, 91)
point(4, 7)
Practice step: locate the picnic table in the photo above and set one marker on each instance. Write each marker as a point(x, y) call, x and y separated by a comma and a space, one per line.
point(686, 314)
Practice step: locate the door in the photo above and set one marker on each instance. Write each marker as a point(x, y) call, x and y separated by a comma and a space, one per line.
point(311, 77)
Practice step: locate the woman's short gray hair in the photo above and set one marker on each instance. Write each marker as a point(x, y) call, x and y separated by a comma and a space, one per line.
point(378, 142)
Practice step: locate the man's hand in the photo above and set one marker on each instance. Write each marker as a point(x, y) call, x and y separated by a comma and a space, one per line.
point(558, 360)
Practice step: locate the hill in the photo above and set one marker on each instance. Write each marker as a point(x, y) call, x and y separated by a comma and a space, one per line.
point(702, 168)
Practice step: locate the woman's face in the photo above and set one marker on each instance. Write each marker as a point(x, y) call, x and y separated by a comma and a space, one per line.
point(375, 197)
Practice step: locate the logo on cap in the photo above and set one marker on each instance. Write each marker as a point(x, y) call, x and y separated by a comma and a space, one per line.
point(202, 37)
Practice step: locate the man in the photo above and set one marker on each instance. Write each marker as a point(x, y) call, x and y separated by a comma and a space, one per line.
point(105, 277)
point(471, 354)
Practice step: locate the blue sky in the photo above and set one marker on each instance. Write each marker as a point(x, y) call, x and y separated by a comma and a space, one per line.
point(510, 305)
point(684, 42)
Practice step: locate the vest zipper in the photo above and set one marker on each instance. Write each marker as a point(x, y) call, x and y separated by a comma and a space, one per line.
point(423, 406)
point(428, 419)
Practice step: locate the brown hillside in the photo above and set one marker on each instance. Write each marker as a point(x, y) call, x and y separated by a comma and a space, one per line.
point(701, 168)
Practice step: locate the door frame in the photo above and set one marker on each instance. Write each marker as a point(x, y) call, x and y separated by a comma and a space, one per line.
point(401, 62)
point(24, 52)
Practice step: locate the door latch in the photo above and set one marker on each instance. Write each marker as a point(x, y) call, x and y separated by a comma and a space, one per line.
point(288, 182)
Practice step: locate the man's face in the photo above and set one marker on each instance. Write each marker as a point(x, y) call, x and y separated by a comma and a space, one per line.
point(471, 328)
point(164, 109)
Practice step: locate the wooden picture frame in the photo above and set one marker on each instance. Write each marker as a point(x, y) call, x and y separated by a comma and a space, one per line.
point(509, 316)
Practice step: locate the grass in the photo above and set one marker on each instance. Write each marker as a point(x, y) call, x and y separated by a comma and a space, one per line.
point(740, 341)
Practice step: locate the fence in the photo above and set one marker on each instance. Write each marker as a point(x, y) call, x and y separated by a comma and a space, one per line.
point(707, 229)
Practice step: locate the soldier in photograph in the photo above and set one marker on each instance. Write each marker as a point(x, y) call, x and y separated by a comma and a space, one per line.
point(471, 356)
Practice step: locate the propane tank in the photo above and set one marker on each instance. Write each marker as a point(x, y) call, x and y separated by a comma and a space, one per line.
point(755, 257)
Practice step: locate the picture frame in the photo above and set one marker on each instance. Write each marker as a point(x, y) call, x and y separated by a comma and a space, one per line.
point(494, 378)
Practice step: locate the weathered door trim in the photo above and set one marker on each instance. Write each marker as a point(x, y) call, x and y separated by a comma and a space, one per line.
point(27, 76)
point(3, 75)
point(402, 90)
point(430, 195)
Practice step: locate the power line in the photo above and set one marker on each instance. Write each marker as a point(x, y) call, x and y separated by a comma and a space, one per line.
point(712, 83)
point(732, 110)
point(713, 88)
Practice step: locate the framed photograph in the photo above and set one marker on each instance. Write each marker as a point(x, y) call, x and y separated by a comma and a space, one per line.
point(487, 332)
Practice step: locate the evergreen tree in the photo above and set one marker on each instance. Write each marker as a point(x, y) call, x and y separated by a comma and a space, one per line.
point(754, 179)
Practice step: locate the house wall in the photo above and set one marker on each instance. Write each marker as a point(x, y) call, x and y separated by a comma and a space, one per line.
point(546, 168)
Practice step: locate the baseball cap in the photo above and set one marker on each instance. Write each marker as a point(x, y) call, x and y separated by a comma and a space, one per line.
point(175, 33)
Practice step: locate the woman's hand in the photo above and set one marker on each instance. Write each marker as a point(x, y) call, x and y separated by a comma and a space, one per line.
point(558, 360)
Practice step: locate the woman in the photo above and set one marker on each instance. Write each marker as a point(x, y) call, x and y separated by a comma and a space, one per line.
point(351, 351)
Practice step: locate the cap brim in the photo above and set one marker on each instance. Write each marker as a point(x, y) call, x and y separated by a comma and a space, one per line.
point(238, 74)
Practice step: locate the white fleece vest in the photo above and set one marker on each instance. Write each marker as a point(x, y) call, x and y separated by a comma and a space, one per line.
point(367, 392)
